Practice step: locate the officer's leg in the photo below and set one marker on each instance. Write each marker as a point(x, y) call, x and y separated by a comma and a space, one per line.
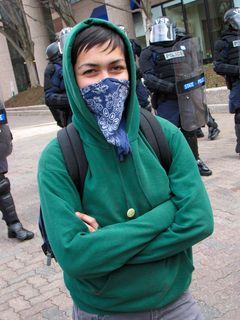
point(191, 138)
point(213, 130)
point(15, 228)
point(168, 109)
point(237, 129)
point(199, 133)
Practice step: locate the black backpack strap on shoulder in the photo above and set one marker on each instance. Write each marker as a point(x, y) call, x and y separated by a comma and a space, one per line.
point(154, 134)
point(74, 155)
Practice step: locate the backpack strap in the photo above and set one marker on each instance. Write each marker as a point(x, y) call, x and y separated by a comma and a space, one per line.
point(74, 155)
point(155, 136)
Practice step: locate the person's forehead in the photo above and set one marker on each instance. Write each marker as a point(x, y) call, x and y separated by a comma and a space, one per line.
point(100, 54)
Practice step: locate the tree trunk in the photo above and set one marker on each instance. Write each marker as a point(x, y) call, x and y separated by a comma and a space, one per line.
point(32, 72)
point(147, 18)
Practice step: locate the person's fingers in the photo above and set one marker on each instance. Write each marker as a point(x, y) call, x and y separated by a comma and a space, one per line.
point(90, 228)
point(90, 221)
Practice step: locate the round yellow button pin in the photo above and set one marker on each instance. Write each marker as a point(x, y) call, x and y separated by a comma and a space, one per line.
point(131, 213)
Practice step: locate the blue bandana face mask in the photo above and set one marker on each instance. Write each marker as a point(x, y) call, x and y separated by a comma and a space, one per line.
point(106, 100)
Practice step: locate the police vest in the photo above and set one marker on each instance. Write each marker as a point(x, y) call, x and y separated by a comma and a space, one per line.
point(233, 47)
point(164, 59)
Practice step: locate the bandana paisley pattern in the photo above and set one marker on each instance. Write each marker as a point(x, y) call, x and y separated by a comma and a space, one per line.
point(106, 100)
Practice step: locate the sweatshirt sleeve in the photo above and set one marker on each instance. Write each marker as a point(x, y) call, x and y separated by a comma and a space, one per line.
point(194, 218)
point(94, 254)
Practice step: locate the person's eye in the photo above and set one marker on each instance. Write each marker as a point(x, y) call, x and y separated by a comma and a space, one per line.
point(89, 72)
point(118, 68)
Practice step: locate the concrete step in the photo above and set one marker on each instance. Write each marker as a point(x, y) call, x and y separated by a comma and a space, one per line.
point(217, 99)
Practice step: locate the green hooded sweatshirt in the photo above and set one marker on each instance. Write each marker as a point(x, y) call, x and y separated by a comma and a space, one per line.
point(133, 262)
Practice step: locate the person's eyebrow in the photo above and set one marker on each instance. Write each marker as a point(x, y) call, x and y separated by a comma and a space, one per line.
point(92, 65)
point(87, 65)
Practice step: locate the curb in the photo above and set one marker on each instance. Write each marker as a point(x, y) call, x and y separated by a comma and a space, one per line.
point(36, 110)
point(217, 101)
point(29, 110)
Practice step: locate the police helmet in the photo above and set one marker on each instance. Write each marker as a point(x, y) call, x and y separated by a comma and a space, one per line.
point(232, 18)
point(52, 51)
point(120, 26)
point(163, 30)
point(64, 33)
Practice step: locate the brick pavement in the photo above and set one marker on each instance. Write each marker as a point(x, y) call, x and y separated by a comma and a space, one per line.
point(32, 291)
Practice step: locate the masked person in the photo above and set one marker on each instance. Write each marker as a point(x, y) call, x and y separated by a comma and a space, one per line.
point(158, 64)
point(125, 245)
point(7, 207)
point(54, 89)
point(226, 63)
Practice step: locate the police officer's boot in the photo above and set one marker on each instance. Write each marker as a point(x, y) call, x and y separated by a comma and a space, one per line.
point(15, 228)
point(199, 133)
point(191, 138)
point(213, 130)
point(237, 131)
point(213, 133)
point(203, 168)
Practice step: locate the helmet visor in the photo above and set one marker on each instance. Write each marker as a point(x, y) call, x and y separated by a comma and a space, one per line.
point(162, 32)
point(235, 22)
point(62, 41)
point(63, 37)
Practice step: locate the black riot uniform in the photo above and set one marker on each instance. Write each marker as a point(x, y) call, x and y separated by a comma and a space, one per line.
point(7, 207)
point(142, 91)
point(227, 63)
point(157, 67)
point(54, 89)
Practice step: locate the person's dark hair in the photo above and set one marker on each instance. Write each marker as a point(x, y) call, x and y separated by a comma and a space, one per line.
point(95, 36)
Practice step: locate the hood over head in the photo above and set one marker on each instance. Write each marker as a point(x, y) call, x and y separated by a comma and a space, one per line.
point(83, 120)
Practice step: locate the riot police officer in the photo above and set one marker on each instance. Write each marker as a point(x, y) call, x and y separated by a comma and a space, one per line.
point(157, 64)
point(226, 63)
point(7, 207)
point(54, 89)
point(143, 93)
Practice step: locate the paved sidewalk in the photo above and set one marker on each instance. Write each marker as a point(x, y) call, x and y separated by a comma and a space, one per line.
point(29, 290)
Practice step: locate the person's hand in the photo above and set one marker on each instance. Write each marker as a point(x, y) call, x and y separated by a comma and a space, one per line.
point(89, 221)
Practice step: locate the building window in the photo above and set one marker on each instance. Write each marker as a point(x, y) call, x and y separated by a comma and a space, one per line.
point(174, 11)
point(217, 9)
point(197, 24)
point(156, 12)
point(139, 29)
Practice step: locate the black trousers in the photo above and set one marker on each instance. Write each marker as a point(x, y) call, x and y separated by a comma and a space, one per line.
point(7, 206)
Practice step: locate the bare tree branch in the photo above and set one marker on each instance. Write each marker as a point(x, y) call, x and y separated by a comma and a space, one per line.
point(19, 50)
point(64, 10)
point(16, 30)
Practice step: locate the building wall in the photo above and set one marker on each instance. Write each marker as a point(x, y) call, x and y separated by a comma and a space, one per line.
point(120, 16)
point(83, 9)
point(7, 78)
